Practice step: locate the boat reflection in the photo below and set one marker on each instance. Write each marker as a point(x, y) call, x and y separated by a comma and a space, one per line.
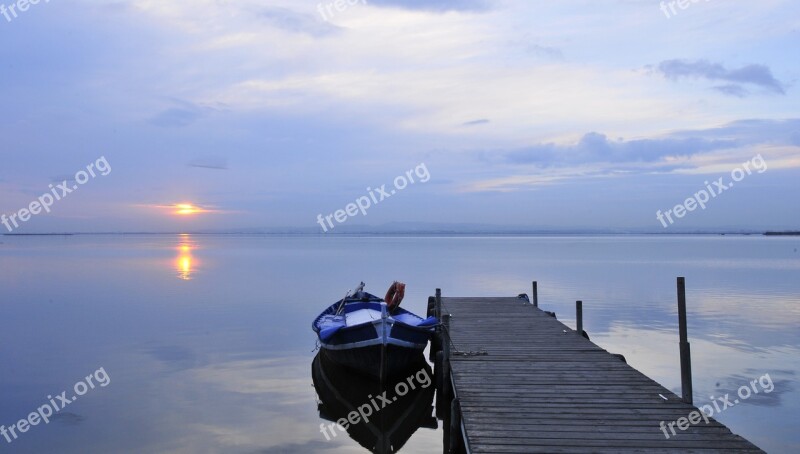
point(185, 263)
point(393, 412)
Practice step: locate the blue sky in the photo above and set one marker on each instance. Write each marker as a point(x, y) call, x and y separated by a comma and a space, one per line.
point(561, 114)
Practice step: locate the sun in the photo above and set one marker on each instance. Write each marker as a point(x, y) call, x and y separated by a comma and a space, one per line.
point(187, 209)
point(184, 209)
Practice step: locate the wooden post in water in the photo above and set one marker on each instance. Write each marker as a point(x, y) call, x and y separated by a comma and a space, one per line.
point(440, 346)
point(446, 413)
point(446, 358)
point(579, 317)
point(535, 294)
point(437, 375)
point(455, 426)
point(686, 354)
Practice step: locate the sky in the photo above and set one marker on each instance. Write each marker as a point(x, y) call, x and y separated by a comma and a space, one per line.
point(229, 115)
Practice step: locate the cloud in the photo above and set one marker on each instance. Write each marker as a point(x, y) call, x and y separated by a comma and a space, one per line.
point(545, 51)
point(306, 446)
point(182, 114)
point(181, 209)
point(732, 90)
point(756, 75)
point(291, 21)
point(209, 162)
point(482, 121)
point(751, 131)
point(596, 147)
point(596, 155)
point(176, 117)
point(780, 388)
point(435, 5)
point(62, 178)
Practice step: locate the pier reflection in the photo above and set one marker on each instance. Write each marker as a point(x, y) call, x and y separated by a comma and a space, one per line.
point(393, 412)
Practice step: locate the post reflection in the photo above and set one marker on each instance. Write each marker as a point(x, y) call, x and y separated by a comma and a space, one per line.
point(185, 263)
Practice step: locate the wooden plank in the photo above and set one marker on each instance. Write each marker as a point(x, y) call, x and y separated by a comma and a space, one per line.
point(528, 383)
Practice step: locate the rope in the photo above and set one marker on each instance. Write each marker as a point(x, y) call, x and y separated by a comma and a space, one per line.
point(456, 350)
point(341, 305)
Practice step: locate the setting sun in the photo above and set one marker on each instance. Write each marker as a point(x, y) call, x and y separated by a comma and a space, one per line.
point(182, 209)
point(186, 209)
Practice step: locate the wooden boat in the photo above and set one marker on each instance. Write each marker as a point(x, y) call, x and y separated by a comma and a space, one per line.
point(387, 427)
point(363, 333)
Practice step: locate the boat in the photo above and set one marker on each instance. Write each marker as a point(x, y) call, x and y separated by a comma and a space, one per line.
point(364, 333)
point(387, 423)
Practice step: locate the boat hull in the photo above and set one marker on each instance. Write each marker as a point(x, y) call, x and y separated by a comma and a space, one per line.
point(379, 344)
point(368, 360)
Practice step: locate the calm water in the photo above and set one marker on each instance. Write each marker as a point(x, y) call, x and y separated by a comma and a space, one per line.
point(207, 344)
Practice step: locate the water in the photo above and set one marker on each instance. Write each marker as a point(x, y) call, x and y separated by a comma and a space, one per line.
point(207, 345)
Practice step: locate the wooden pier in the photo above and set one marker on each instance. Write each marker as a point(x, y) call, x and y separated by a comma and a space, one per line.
point(515, 379)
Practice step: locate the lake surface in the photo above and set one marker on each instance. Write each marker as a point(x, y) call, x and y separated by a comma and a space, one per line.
point(206, 343)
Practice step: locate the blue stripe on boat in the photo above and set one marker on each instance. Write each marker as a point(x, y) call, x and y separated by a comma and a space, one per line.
point(360, 328)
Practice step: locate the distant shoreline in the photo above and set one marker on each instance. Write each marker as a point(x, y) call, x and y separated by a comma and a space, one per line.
point(45, 234)
point(420, 233)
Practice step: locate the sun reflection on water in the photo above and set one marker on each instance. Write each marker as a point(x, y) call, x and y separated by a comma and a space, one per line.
point(185, 263)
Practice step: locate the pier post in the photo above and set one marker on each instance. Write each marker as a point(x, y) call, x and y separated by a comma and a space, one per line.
point(686, 354)
point(438, 304)
point(438, 346)
point(438, 374)
point(436, 311)
point(443, 393)
point(455, 426)
point(535, 294)
point(446, 358)
point(579, 317)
